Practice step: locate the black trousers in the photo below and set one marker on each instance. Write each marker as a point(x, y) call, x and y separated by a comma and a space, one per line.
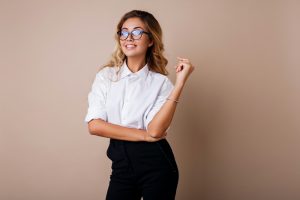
point(142, 169)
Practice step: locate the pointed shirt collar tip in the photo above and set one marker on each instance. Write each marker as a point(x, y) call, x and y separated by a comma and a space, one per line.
point(125, 71)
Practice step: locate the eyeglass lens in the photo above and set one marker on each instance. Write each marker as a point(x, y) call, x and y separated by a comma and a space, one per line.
point(136, 34)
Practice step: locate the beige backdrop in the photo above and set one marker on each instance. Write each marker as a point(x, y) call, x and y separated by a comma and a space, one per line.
point(235, 133)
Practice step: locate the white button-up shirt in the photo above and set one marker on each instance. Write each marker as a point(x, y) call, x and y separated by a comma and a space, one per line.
point(132, 101)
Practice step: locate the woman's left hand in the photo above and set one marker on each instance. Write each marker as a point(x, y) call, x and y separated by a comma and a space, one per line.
point(183, 69)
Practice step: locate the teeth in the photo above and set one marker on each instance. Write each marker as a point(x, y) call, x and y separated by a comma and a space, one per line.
point(130, 45)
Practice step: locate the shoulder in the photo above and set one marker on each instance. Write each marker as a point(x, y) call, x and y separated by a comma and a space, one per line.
point(160, 80)
point(103, 77)
point(159, 77)
point(105, 73)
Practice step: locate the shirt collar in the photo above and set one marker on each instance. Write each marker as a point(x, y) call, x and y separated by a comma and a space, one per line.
point(142, 73)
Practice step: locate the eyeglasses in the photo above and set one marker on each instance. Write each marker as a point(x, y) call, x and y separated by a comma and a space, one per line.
point(136, 34)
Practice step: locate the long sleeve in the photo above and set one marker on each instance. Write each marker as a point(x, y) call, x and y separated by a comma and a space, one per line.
point(164, 93)
point(97, 99)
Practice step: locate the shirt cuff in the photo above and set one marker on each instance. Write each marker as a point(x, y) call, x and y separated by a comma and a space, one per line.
point(90, 116)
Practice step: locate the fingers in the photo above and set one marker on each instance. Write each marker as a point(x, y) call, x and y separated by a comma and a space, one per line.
point(183, 62)
point(178, 68)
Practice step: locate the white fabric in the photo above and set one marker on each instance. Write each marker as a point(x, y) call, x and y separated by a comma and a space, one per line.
point(132, 101)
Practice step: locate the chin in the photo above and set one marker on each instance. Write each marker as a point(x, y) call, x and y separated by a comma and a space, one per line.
point(131, 54)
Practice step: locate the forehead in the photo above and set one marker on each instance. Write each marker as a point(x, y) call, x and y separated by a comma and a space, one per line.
point(133, 23)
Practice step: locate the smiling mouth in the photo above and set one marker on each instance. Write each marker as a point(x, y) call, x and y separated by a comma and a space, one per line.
point(130, 46)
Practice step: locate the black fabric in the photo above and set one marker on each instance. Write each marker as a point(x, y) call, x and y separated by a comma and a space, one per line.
point(142, 169)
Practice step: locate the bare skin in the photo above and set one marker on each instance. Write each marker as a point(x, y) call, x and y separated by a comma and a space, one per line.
point(162, 120)
point(135, 61)
point(102, 128)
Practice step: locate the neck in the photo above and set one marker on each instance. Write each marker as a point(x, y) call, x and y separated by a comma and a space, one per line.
point(135, 64)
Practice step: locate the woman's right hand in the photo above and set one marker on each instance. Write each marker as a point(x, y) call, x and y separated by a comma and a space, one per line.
point(149, 138)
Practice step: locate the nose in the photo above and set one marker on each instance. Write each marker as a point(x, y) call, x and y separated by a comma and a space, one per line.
point(130, 37)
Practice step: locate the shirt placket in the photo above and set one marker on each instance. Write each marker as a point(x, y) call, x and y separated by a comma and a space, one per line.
point(128, 93)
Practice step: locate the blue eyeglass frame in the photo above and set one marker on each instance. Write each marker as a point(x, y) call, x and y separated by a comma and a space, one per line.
point(131, 33)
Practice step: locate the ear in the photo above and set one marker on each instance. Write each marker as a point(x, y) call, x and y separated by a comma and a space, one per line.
point(150, 44)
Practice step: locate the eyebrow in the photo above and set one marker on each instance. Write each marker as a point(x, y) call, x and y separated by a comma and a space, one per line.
point(133, 28)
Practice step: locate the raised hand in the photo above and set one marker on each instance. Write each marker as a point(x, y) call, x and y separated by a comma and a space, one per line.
point(183, 69)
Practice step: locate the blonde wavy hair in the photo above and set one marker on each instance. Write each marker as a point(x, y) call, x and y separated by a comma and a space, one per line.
point(154, 55)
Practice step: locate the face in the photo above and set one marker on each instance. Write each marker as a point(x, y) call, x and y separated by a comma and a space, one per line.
point(135, 47)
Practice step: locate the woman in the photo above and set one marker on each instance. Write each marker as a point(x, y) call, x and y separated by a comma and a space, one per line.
point(132, 102)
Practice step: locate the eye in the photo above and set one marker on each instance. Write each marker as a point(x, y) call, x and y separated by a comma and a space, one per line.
point(137, 32)
point(124, 33)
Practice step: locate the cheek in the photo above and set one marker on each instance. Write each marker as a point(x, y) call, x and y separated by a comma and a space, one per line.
point(122, 43)
point(143, 44)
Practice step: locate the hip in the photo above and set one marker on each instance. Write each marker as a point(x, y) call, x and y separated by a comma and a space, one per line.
point(157, 154)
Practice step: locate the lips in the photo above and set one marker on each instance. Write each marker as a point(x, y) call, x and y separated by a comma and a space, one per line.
point(130, 46)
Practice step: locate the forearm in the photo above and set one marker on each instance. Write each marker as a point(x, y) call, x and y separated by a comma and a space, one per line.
point(102, 128)
point(163, 118)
